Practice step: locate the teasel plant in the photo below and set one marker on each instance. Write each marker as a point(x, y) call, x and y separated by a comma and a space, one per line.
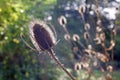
point(89, 55)
point(44, 39)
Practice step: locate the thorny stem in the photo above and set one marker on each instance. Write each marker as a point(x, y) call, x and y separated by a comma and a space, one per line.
point(60, 64)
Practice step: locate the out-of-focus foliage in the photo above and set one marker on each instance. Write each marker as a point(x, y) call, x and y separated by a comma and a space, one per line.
point(17, 62)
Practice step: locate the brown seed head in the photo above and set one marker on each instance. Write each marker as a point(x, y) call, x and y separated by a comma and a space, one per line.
point(81, 9)
point(67, 37)
point(76, 37)
point(77, 66)
point(86, 35)
point(62, 21)
point(41, 35)
point(87, 26)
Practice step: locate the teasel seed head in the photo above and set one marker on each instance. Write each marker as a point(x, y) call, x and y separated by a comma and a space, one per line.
point(81, 9)
point(108, 77)
point(102, 36)
point(76, 37)
point(102, 57)
point(99, 22)
point(112, 45)
point(67, 37)
point(98, 29)
point(87, 26)
point(86, 35)
point(109, 68)
point(77, 66)
point(62, 21)
point(75, 49)
point(114, 32)
point(97, 12)
point(41, 35)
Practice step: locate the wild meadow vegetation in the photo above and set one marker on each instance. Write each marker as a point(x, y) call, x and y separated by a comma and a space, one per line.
point(87, 40)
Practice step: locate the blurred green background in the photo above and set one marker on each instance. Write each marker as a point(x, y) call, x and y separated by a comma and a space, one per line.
point(17, 61)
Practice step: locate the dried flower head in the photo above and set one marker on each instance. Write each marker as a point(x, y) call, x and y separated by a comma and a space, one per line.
point(102, 36)
point(75, 49)
point(109, 68)
point(41, 35)
point(112, 45)
point(97, 12)
point(98, 29)
point(99, 22)
point(76, 37)
point(114, 32)
point(102, 57)
point(81, 9)
point(87, 26)
point(67, 37)
point(77, 66)
point(62, 21)
point(86, 35)
point(90, 47)
point(108, 77)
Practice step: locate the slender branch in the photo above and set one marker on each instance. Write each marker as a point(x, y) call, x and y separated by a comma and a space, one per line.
point(60, 64)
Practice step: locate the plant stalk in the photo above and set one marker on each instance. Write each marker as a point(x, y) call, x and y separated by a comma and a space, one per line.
point(60, 64)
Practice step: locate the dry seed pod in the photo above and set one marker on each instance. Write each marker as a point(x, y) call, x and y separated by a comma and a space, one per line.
point(77, 66)
point(67, 37)
point(108, 77)
point(81, 9)
point(102, 57)
point(98, 29)
point(87, 26)
point(41, 35)
point(97, 12)
point(86, 35)
point(110, 68)
point(114, 32)
point(62, 21)
point(99, 22)
point(76, 37)
point(90, 47)
point(75, 49)
point(102, 36)
point(112, 42)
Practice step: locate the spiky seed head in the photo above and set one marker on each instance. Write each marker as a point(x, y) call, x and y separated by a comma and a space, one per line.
point(99, 22)
point(86, 35)
point(76, 37)
point(62, 21)
point(98, 29)
point(114, 32)
point(102, 36)
point(75, 49)
point(108, 77)
point(109, 68)
point(97, 12)
point(41, 35)
point(87, 26)
point(67, 37)
point(77, 66)
point(81, 9)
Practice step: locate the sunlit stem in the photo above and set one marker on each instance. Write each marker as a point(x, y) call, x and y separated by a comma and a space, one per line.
point(52, 54)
